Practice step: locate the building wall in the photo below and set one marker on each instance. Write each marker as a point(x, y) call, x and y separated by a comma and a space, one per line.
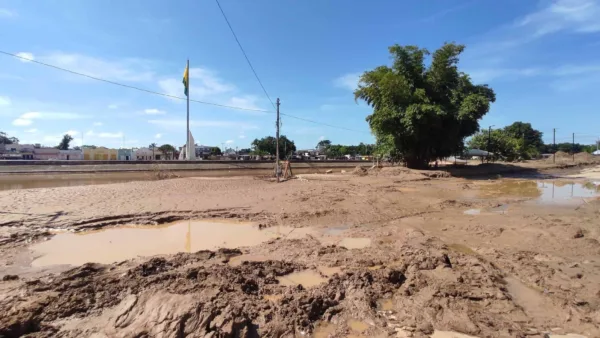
point(146, 154)
point(125, 154)
point(70, 155)
point(100, 154)
point(45, 153)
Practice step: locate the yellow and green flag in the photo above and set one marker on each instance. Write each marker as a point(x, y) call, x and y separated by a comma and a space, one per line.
point(186, 80)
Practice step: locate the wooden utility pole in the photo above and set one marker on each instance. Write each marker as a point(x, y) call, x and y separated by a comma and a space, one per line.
point(277, 144)
point(554, 147)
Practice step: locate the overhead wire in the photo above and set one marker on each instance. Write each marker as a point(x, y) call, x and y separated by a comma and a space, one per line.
point(244, 52)
point(168, 95)
point(130, 87)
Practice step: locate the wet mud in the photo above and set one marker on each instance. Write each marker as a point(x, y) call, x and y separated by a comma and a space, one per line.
point(383, 254)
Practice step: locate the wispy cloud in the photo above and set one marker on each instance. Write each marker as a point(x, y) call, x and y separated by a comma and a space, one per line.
point(159, 135)
point(25, 56)
point(447, 11)
point(28, 118)
point(32, 130)
point(113, 106)
point(348, 81)
point(579, 16)
point(483, 75)
point(204, 83)
point(246, 102)
point(92, 133)
point(5, 101)
point(98, 124)
point(173, 123)
point(154, 111)
point(127, 69)
point(7, 13)
point(229, 142)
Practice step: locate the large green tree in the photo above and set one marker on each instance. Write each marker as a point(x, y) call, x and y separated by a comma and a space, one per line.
point(267, 145)
point(423, 112)
point(64, 143)
point(531, 137)
point(168, 150)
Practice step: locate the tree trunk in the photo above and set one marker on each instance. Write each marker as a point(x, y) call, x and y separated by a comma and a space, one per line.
point(417, 162)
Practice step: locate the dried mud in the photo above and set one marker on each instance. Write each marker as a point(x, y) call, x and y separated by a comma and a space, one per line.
point(428, 268)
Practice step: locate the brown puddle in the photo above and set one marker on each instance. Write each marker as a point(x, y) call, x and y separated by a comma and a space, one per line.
point(126, 242)
point(385, 305)
point(542, 192)
point(355, 243)
point(357, 325)
point(238, 260)
point(306, 278)
point(329, 271)
point(324, 330)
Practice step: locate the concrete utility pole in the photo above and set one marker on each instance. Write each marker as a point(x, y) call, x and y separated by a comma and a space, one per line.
point(573, 147)
point(554, 147)
point(277, 144)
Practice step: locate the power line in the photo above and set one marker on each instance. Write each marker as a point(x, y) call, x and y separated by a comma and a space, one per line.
point(244, 52)
point(131, 87)
point(173, 96)
point(325, 124)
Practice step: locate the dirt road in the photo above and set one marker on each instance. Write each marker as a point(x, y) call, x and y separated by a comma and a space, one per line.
point(391, 253)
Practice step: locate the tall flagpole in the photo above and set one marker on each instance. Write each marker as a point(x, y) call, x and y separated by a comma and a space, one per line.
point(189, 148)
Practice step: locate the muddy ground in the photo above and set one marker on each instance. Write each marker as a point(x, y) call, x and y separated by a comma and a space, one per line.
point(515, 268)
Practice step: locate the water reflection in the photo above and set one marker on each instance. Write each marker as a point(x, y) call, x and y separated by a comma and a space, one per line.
point(546, 191)
point(121, 243)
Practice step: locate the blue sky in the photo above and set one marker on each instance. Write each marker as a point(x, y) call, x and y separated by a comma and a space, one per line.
point(541, 58)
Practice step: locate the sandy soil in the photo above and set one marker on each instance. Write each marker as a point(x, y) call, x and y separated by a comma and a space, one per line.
point(517, 268)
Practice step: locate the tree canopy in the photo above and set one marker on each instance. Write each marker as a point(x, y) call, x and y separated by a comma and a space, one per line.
point(266, 145)
point(168, 150)
point(216, 151)
point(423, 112)
point(5, 139)
point(64, 143)
point(323, 144)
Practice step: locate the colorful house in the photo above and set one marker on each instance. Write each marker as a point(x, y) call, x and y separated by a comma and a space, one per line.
point(125, 154)
point(100, 154)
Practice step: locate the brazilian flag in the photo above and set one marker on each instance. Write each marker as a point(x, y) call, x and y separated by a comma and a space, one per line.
point(186, 80)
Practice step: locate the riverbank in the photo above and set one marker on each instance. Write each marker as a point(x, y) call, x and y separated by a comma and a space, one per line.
point(51, 167)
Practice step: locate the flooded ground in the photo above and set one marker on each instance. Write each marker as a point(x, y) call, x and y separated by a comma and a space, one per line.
point(386, 253)
point(125, 242)
point(34, 181)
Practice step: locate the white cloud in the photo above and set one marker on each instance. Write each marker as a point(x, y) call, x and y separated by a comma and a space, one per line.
point(246, 102)
point(71, 132)
point(176, 124)
point(91, 133)
point(321, 138)
point(579, 16)
point(32, 130)
point(127, 70)
point(154, 111)
point(26, 56)
point(5, 101)
point(98, 124)
point(110, 135)
point(22, 122)
point(488, 74)
point(229, 142)
point(27, 118)
point(242, 136)
point(7, 13)
point(112, 106)
point(348, 81)
point(204, 83)
point(159, 135)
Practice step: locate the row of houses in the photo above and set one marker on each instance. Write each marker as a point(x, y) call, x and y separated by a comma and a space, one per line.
point(37, 152)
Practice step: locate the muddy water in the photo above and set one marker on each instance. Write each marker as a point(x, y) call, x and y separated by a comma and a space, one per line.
point(33, 181)
point(306, 278)
point(121, 243)
point(541, 192)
